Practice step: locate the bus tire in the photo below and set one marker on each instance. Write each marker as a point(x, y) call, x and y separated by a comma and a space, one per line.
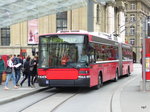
point(100, 81)
point(128, 74)
point(116, 76)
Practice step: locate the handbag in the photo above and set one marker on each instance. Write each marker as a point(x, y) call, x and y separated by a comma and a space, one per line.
point(4, 77)
point(8, 70)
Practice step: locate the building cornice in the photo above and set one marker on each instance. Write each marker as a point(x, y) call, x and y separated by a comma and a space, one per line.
point(146, 2)
point(137, 11)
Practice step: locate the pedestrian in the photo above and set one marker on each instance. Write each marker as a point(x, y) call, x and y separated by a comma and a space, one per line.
point(2, 68)
point(26, 72)
point(12, 74)
point(141, 61)
point(34, 71)
point(17, 61)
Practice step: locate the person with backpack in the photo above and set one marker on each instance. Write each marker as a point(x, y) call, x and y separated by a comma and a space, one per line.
point(17, 61)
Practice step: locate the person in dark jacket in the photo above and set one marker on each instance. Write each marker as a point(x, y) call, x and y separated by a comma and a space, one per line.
point(2, 67)
point(26, 72)
point(34, 71)
point(18, 60)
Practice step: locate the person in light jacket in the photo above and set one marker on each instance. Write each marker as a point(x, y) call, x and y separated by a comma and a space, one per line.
point(12, 74)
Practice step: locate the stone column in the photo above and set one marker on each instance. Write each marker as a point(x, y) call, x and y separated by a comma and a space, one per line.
point(121, 18)
point(122, 25)
point(90, 16)
point(110, 16)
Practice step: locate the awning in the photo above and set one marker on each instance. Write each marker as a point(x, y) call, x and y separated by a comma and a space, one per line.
point(15, 11)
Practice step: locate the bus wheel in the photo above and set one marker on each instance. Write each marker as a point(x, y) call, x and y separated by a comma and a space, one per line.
point(116, 76)
point(128, 71)
point(100, 82)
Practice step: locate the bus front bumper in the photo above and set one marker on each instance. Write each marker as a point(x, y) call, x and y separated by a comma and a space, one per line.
point(80, 82)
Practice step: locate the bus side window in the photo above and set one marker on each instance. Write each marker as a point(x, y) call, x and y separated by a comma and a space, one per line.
point(92, 56)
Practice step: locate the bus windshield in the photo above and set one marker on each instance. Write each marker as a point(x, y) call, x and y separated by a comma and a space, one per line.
point(62, 51)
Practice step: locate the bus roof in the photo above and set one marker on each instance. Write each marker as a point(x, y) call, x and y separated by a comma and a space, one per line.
point(82, 32)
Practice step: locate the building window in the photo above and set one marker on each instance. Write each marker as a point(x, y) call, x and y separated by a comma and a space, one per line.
point(5, 36)
point(126, 6)
point(132, 18)
point(132, 30)
point(133, 6)
point(132, 41)
point(126, 31)
point(126, 18)
point(97, 14)
point(61, 19)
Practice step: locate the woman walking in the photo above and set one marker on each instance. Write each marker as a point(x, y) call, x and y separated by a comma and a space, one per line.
point(2, 67)
point(10, 75)
point(26, 71)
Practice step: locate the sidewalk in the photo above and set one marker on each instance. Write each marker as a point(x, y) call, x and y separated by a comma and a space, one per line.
point(132, 98)
point(14, 94)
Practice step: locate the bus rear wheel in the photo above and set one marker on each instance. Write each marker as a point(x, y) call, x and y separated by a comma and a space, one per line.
point(100, 82)
point(128, 71)
point(116, 76)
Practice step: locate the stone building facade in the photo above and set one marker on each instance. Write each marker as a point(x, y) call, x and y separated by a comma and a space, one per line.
point(95, 17)
point(136, 13)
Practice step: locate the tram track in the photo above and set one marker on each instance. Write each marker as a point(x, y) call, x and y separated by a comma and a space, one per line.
point(59, 97)
point(36, 102)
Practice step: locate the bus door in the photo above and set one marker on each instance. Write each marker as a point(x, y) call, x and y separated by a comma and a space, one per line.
point(106, 71)
point(93, 68)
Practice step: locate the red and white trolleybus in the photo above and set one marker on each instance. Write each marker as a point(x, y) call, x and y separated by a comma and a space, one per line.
point(81, 59)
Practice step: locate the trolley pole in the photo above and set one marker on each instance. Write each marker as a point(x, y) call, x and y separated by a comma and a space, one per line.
point(143, 58)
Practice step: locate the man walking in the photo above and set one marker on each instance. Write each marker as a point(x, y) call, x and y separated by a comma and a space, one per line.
point(19, 61)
